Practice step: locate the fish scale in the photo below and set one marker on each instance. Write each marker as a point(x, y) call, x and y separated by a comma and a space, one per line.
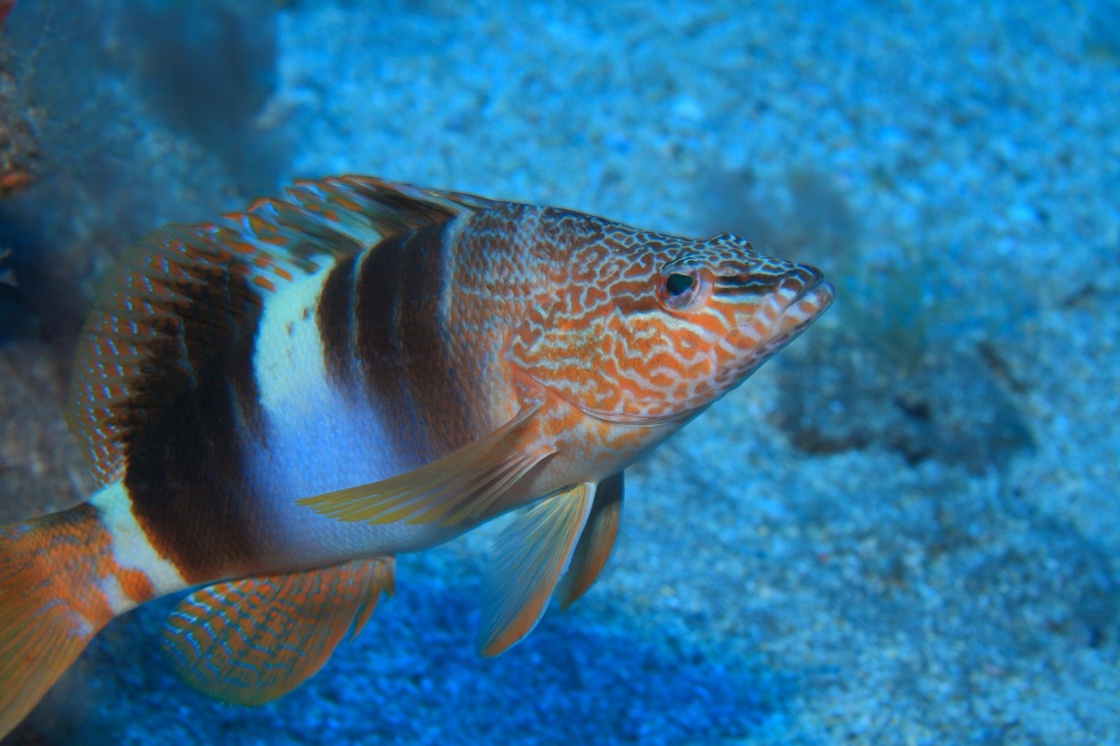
point(279, 403)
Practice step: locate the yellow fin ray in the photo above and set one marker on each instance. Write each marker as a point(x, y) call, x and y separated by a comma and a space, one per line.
point(251, 640)
point(528, 558)
point(595, 543)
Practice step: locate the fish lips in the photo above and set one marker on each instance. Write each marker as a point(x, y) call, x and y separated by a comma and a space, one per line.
point(804, 306)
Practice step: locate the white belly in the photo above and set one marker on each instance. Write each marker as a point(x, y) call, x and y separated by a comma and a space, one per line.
point(319, 439)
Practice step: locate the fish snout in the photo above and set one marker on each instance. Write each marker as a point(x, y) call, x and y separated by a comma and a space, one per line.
point(783, 300)
point(802, 297)
point(802, 281)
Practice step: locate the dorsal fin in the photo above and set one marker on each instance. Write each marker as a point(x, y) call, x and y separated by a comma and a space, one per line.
point(178, 299)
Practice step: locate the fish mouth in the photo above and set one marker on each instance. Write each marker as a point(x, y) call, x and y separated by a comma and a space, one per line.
point(795, 310)
point(807, 305)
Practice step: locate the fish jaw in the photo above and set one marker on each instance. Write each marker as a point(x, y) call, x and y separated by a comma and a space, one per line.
point(762, 327)
point(789, 312)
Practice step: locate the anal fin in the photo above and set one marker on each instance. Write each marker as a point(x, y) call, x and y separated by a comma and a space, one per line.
point(251, 640)
point(528, 558)
point(595, 543)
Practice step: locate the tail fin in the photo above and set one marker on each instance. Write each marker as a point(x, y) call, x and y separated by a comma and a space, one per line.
point(51, 603)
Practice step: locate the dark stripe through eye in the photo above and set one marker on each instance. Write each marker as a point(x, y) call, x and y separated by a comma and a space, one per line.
point(750, 283)
point(677, 285)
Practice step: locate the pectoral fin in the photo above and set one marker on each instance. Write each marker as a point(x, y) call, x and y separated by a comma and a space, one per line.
point(528, 558)
point(251, 640)
point(595, 543)
point(460, 485)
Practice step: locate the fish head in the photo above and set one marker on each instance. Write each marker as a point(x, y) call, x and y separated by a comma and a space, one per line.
point(648, 329)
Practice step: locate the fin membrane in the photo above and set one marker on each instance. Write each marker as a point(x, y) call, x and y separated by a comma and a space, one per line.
point(459, 486)
point(252, 640)
point(50, 607)
point(177, 299)
point(595, 543)
point(528, 558)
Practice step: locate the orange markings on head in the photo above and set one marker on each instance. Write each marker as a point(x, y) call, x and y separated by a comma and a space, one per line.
point(637, 270)
point(596, 295)
point(726, 354)
point(628, 385)
point(710, 323)
point(665, 360)
point(607, 396)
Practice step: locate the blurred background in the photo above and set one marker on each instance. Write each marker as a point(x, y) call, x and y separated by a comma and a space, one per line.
point(905, 529)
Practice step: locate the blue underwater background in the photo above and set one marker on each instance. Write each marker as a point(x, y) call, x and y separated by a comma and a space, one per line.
point(903, 530)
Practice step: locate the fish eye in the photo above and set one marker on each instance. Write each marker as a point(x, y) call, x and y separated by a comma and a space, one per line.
point(676, 285)
point(684, 288)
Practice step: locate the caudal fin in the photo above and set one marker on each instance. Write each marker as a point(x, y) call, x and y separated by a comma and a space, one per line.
point(51, 604)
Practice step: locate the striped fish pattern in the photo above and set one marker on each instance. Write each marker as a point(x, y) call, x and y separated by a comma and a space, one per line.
point(277, 404)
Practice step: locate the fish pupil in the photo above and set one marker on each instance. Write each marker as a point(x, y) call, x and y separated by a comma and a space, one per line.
point(678, 285)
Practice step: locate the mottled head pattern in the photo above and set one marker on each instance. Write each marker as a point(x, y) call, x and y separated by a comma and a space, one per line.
point(638, 327)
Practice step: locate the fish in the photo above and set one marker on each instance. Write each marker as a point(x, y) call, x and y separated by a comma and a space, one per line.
point(278, 403)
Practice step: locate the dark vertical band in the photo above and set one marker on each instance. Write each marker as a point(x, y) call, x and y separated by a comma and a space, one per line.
point(185, 457)
point(379, 346)
point(412, 373)
point(439, 390)
point(335, 320)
